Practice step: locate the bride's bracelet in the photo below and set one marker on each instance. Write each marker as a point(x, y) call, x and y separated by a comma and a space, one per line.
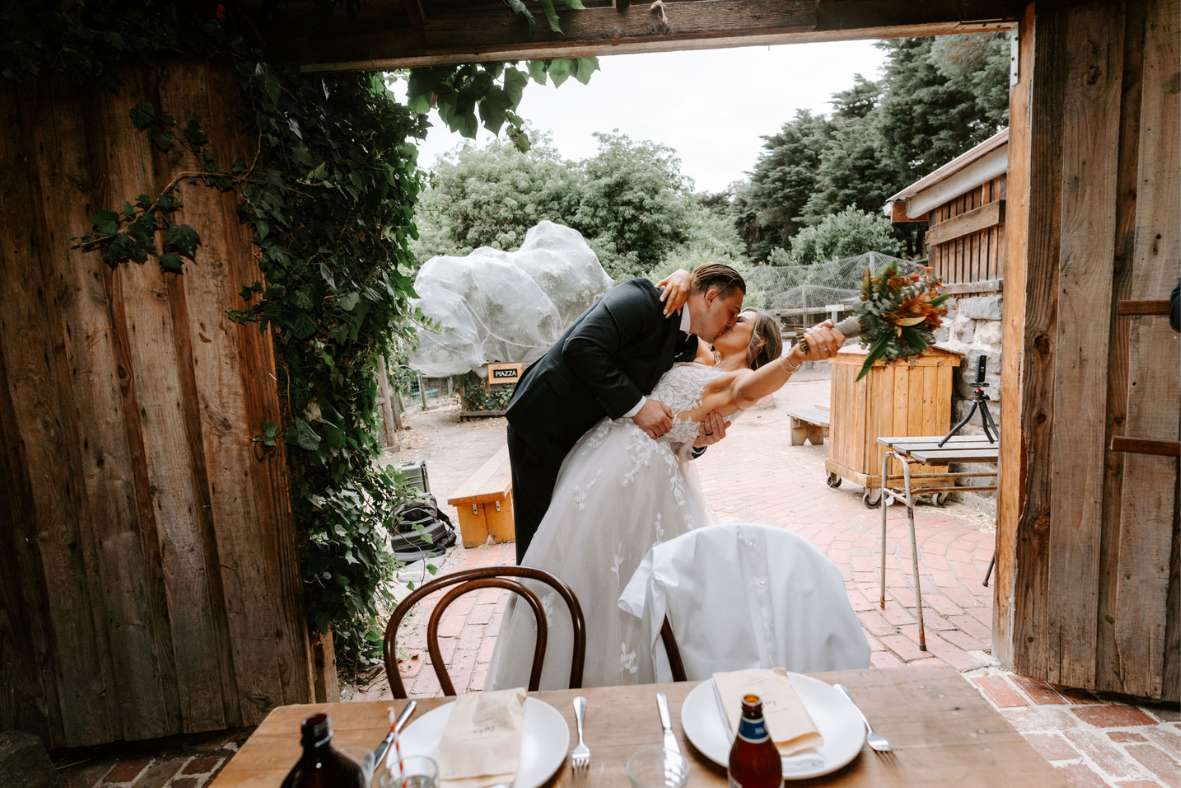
point(789, 368)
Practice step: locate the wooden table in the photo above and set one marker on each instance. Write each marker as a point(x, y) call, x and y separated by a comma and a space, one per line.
point(926, 450)
point(943, 733)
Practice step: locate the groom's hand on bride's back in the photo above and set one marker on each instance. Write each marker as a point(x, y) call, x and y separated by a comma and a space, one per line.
point(654, 418)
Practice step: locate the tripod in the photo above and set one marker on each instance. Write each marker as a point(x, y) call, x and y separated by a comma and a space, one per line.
point(979, 403)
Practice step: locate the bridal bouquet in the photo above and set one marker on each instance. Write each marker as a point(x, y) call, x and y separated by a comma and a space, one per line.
point(897, 315)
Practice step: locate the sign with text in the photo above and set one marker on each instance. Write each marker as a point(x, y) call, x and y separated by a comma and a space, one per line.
point(500, 374)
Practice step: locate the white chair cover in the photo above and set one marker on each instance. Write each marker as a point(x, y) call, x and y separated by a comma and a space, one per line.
point(743, 596)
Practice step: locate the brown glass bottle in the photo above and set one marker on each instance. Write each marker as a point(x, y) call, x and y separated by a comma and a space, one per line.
point(321, 765)
point(754, 759)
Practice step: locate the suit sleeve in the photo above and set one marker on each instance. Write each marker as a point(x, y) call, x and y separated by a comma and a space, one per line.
point(626, 313)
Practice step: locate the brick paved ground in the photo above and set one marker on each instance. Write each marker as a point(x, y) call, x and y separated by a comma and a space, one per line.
point(755, 476)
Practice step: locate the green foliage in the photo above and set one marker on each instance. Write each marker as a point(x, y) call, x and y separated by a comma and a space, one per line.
point(850, 232)
point(927, 117)
point(629, 201)
point(330, 198)
point(634, 204)
point(898, 313)
point(477, 395)
point(491, 196)
point(937, 98)
point(494, 89)
point(770, 207)
point(548, 9)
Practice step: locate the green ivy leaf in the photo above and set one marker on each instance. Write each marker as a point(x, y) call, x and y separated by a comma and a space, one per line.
point(520, 9)
point(143, 116)
point(493, 109)
point(551, 16)
point(183, 239)
point(105, 222)
point(162, 139)
point(575, 5)
point(302, 435)
point(348, 301)
point(515, 81)
point(584, 67)
point(560, 70)
point(195, 135)
point(537, 69)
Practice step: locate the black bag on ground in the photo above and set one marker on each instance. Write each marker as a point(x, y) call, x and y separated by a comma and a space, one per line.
point(422, 530)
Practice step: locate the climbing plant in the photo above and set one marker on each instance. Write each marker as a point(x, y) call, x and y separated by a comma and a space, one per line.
point(329, 194)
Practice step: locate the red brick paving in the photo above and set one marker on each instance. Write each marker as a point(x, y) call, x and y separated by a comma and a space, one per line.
point(127, 770)
point(1114, 716)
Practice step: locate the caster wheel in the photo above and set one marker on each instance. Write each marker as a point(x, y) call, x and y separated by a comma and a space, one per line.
point(939, 499)
point(833, 481)
point(872, 499)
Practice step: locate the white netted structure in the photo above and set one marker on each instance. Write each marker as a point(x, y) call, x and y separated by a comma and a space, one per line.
point(493, 306)
point(800, 288)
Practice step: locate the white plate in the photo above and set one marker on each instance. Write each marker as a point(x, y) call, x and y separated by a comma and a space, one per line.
point(833, 713)
point(544, 740)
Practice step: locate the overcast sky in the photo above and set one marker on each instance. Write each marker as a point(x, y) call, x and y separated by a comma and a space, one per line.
point(712, 107)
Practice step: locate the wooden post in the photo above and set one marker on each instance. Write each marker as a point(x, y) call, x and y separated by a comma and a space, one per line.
point(422, 390)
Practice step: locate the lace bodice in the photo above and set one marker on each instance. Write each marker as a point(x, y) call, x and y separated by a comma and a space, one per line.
point(680, 388)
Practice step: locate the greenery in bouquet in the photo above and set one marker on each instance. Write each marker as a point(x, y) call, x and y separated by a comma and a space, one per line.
point(898, 313)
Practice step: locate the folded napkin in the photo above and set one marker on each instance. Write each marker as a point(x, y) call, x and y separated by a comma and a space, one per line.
point(481, 744)
point(788, 722)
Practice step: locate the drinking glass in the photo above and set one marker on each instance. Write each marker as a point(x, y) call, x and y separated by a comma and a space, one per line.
point(656, 767)
point(417, 771)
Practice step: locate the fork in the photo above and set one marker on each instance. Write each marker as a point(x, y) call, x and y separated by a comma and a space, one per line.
point(580, 757)
point(877, 742)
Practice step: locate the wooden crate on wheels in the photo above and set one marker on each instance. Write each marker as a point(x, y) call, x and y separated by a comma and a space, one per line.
point(904, 397)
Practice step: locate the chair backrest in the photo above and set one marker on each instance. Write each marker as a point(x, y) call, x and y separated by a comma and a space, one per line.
point(742, 596)
point(472, 580)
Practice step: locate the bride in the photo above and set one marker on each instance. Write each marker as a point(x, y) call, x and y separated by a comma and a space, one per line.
point(619, 492)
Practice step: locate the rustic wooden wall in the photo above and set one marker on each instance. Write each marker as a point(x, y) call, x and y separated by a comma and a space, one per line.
point(1087, 586)
point(148, 574)
point(966, 238)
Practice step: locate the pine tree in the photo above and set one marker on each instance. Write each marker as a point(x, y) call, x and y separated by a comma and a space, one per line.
point(770, 208)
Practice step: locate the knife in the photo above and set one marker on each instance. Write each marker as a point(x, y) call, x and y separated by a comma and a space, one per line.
point(670, 739)
point(396, 728)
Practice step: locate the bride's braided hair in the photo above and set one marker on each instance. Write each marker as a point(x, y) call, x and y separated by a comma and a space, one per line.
point(766, 344)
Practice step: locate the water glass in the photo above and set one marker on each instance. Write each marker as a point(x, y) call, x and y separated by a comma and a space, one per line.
point(656, 767)
point(417, 771)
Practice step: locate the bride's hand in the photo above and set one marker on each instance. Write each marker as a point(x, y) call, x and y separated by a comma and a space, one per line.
point(713, 429)
point(675, 290)
point(823, 342)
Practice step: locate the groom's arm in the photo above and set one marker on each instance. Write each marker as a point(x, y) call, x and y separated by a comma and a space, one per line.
point(625, 314)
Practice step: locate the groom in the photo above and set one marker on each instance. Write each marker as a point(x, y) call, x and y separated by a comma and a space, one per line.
point(606, 364)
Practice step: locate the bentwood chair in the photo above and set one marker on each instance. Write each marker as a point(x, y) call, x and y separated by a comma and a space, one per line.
point(472, 580)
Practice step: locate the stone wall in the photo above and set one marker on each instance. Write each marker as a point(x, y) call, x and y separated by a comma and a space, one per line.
point(973, 328)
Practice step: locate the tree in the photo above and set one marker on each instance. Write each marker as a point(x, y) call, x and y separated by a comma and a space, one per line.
point(927, 118)
point(770, 208)
point(852, 170)
point(844, 234)
point(491, 196)
point(634, 207)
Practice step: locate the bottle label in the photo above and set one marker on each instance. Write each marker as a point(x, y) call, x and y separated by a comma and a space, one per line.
point(754, 731)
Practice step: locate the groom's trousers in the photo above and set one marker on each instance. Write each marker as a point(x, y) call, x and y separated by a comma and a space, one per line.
point(536, 460)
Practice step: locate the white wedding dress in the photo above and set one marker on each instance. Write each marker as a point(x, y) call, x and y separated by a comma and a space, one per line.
point(618, 493)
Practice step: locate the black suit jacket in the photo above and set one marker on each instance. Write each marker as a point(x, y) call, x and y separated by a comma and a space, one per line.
point(613, 354)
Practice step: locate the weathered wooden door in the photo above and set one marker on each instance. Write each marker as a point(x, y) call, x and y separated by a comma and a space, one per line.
point(1087, 584)
point(148, 575)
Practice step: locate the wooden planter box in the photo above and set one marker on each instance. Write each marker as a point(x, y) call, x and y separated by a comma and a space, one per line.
point(903, 397)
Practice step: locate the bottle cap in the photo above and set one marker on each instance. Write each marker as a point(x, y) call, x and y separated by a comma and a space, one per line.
point(315, 730)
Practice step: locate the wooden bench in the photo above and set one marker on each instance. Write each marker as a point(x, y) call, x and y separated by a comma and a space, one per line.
point(485, 502)
point(810, 424)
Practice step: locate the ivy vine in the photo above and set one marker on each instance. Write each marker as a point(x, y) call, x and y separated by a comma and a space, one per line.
point(330, 194)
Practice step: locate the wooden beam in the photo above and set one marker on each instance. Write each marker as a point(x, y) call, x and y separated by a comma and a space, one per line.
point(1123, 443)
point(463, 32)
point(1150, 307)
point(966, 223)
